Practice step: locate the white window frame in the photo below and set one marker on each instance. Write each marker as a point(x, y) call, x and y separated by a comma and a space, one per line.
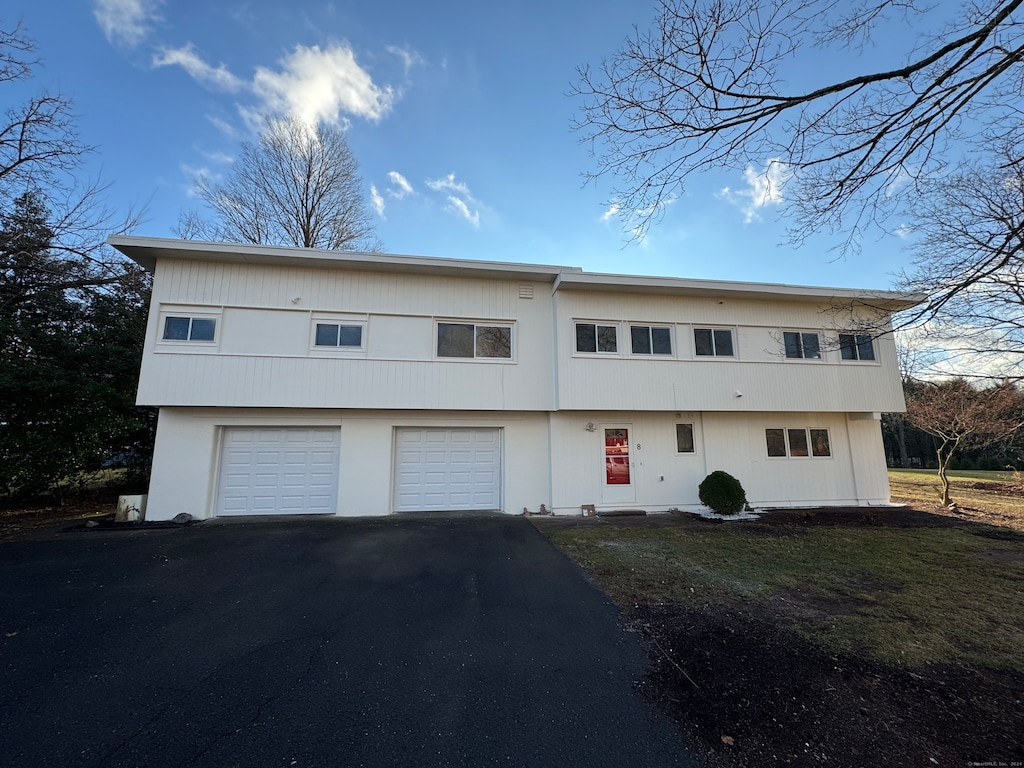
point(693, 436)
point(733, 335)
point(336, 319)
point(617, 325)
point(802, 357)
point(651, 327)
point(856, 348)
point(192, 313)
point(810, 443)
point(510, 325)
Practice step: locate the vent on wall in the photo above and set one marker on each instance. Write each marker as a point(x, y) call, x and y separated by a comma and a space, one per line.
point(525, 291)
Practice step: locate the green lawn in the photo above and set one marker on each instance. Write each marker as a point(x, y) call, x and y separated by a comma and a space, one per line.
point(905, 596)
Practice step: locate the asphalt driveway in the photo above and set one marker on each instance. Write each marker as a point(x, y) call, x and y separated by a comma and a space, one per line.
point(382, 642)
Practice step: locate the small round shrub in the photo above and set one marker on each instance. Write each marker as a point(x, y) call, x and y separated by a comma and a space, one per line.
point(722, 492)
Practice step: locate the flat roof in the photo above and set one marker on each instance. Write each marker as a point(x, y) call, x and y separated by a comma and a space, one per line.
point(146, 251)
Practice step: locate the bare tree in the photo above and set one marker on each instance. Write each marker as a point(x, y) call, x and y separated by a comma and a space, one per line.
point(297, 185)
point(709, 88)
point(969, 258)
point(961, 416)
point(41, 155)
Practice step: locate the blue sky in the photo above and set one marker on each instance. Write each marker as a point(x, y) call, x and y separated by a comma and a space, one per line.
point(458, 113)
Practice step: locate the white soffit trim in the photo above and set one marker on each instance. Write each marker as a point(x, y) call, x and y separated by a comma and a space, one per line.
point(676, 286)
point(145, 251)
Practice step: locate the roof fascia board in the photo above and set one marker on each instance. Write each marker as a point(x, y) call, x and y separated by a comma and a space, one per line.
point(590, 281)
point(145, 251)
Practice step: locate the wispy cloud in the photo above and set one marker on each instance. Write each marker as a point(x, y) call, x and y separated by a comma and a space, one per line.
point(377, 201)
point(409, 57)
point(400, 185)
point(635, 222)
point(186, 57)
point(322, 85)
point(126, 21)
point(761, 188)
point(460, 200)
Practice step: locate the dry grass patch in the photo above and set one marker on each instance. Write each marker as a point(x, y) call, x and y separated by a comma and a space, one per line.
point(996, 498)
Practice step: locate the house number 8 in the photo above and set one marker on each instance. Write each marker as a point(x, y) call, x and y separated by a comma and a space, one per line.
point(638, 446)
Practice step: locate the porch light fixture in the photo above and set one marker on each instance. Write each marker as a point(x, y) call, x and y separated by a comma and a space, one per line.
point(590, 426)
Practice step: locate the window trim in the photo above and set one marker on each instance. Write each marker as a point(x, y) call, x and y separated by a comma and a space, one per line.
point(206, 313)
point(856, 346)
point(616, 325)
point(693, 437)
point(801, 346)
point(810, 443)
point(323, 318)
point(509, 324)
point(733, 336)
point(651, 327)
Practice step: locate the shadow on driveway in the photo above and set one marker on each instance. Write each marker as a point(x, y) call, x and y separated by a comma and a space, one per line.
point(397, 641)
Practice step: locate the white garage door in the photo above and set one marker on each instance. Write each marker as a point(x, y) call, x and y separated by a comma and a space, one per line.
point(278, 471)
point(447, 469)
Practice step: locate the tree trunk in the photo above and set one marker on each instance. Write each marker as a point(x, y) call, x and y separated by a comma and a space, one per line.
point(944, 454)
point(901, 441)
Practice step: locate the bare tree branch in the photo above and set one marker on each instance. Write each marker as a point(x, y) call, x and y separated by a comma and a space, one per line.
point(707, 88)
point(298, 185)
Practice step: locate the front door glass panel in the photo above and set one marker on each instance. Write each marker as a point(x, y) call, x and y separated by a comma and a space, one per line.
point(616, 456)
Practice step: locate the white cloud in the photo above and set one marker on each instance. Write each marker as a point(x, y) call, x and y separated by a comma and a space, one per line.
point(460, 200)
point(377, 201)
point(941, 350)
point(409, 58)
point(635, 222)
point(403, 186)
point(319, 85)
point(125, 21)
point(763, 188)
point(216, 77)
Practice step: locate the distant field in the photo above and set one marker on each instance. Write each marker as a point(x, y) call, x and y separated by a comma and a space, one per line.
point(992, 497)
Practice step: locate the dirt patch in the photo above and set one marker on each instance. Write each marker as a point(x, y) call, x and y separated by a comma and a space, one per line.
point(750, 693)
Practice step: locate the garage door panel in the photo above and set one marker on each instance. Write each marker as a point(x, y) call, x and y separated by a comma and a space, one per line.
point(447, 469)
point(284, 470)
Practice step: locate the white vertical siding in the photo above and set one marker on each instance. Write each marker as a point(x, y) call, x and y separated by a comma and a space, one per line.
point(263, 358)
point(759, 370)
point(185, 463)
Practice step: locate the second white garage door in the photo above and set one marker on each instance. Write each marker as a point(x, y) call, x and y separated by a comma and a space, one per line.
point(438, 469)
point(278, 471)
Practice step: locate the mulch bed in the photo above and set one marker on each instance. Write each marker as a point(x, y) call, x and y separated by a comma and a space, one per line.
point(750, 693)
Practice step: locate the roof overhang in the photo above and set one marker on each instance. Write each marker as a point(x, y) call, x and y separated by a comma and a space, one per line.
point(146, 251)
point(889, 301)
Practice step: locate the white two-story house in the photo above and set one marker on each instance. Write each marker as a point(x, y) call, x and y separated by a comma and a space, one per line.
point(303, 381)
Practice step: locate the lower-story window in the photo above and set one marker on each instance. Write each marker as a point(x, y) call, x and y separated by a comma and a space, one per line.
point(798, 443)
point(684, 438)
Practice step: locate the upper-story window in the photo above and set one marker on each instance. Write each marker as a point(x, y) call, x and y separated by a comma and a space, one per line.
point(801, 345)
point(650, 339)
point(856, 346)
point(343, 335)
point(713, 342)
point(473, 340)
point(595, 337)
point(181, 327)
